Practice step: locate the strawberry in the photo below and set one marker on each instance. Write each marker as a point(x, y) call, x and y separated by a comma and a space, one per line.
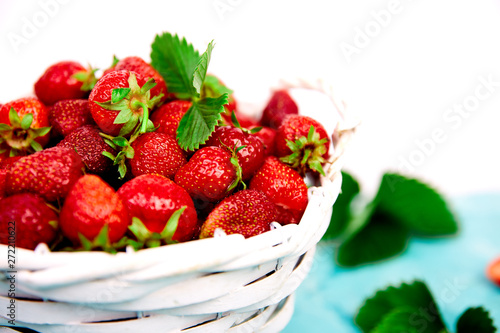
point(138, 65)
point(6, 163)
point(90, 205)
point(493, 271)
point(247, 212)
point(23, 126)
point(209, 176)
point(284, 187)
point(28, 217)
point(267, 135)
point(278, 108)
point(69, 114)
point(250, 157)
point(168, 116)
point(153, 199)
point(121, 101)
point(64, 80)
point(49, 173)
point(156, 153)
point(90, 146)
point(3, 175)
point(302, 143)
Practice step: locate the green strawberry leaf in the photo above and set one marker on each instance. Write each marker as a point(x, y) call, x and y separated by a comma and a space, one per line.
point(376, 237)
point(213, 87)
point(5, 127)
point(118, 94)
point(475, 320)
point(405, 308)
point(15, 121)
point(176, 61)
point(200, 71)
point(415, 205)
point(26, 121)
point(199, 122)
point(341, 213)
point(171, 227)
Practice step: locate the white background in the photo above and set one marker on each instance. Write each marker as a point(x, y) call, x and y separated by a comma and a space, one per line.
point(405, 67)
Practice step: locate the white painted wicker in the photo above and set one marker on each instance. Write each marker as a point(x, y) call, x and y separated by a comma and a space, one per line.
point(222, 284)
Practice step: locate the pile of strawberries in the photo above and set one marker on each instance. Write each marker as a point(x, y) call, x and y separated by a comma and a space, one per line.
point(134, 158)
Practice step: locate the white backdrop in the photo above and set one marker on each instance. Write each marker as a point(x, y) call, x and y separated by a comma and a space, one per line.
point(423, 75)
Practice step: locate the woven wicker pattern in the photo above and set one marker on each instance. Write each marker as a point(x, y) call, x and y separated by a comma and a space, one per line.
point(226, 283)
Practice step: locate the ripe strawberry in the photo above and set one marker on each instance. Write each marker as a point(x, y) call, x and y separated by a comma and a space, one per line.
point(23, 126)
point(493, 271)
point(138, 65)
point(64, 80)
point(89, 206)
point(33, 221)
point(6, 163)
point(67, 115)
point(3, 175)
point(278, 108)
point(156, 153)
point(120, 101)
point(168, 116)
point(302, 143)
point(247, 212)
point(250, 157)
point(89, 145)
point(267, 135)
point(49, 173)
point(153, 199)
point(209, 176)
point(284, 187)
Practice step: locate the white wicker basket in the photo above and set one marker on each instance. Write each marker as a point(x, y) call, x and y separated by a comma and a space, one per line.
point(222, 284)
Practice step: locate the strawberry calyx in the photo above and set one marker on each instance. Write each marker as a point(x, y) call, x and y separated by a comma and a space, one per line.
point(148, 239)
point(133, 104)
point(237, 124)
point(307, 153)
point(237, 167)
point(100, 242)
point(124, 149)
point(19, 137)
point(87, 77)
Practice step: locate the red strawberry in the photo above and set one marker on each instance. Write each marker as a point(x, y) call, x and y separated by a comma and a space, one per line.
point(138, 65)
point(6, 163)
point(168, 116)
point(30, 218)
point(153, 199)
point(67, 115)
point(90, 146)
point(284, 187)
point(89, 206)
point(493, 271)
point(23, 126)
point(209, 176)
point(64, 80)
point(156, 153)
point(49, 173)
point(302, 143)
point(230, 138)
point(120, 101)
point(278, 108)
point(246, 212)
point(267, 135)
point(3, 175)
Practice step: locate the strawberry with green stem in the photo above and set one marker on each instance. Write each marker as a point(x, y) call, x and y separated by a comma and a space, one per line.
point(302, 143)
point(24, 127)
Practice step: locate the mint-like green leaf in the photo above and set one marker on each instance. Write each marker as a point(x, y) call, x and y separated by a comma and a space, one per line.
point(475, 320)
point(176, 61)
point(379, 238)
point(199, 122)
point(118, 94)
point(201, 69)
point(416, 205)
point(390, 306)
point(341, 213)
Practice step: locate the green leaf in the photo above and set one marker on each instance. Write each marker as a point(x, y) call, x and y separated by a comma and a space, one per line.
point(120, 141)
point(118, 94)
point(15, 121)
point(176, 61)
point(380, 238)
point(475, 320)
point(407, 307)
point(36, 146)
point(123, 116)
point(341, 212)
point(5, 127)
point(171, 227)
point(199, 122)
point(416, 205)
point(27, 120)
point(148, 85)
point(41, 131)
point(200, 71)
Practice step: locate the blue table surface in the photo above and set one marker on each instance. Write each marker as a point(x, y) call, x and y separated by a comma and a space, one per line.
point(453, 269)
